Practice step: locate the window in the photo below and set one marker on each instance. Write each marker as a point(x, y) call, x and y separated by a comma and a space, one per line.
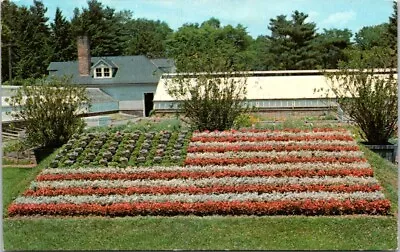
point(102, 72)
point(98, 73)
point(106, 72)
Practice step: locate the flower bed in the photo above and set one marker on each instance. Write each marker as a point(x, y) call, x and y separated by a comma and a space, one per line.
point(254, 172)
point(120, 149)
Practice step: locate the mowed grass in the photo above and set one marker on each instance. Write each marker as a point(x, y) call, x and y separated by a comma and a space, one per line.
point(211, 232)
point(16, 180)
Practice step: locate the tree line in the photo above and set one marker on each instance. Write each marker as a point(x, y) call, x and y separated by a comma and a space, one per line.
point(31, 41)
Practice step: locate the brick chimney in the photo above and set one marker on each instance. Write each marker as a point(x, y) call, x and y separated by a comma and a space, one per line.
point(84, 61)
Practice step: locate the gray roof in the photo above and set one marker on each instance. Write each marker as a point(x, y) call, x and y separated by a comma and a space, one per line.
point(129, 70)
point(165, 64)
point(97, 96)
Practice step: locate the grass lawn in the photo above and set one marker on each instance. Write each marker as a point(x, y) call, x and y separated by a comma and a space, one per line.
point(212, 232)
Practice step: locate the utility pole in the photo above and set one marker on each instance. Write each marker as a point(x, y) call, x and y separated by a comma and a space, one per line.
point(9, 65)
point(9, 61)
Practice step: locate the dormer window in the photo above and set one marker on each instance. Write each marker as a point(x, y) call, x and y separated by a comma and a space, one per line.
point(102, 72)
point(104, 69)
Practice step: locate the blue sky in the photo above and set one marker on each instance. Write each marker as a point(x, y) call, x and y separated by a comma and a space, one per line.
point(253, 14)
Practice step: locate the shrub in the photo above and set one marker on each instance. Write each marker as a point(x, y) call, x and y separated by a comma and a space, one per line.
point(49, 109)
point(209, 85)
point(368, 95)
point(209, 101)
point(242, 121)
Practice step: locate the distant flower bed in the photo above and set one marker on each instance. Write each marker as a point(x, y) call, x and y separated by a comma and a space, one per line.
point(247, 172)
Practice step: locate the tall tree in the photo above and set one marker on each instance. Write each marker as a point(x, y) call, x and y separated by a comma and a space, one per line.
point(371, 36)
point(292, 42)
point(210, 47)
point(146, 37)
point(212, 22)
point(33, 42)
point(102, 26)
point(237, 44)
point(62, 41)
point(259, 50)
point(391, 35)
point(392, 28)
point(331, 44)
point(369, 41)
point(10, 22)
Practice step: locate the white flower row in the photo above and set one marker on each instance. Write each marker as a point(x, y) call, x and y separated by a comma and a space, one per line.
point(271, 134)
point(272, 154)
point(210, 168)
point(185, 197)
point(206, 182)
point(274, 143)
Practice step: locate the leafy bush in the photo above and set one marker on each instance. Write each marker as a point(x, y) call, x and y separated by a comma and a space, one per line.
point(49, 111)
point(368, 95)
point(209, 101)
point(245, 121)
point(14, 146)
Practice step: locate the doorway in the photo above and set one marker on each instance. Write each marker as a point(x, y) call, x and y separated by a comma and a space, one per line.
point(148, 103)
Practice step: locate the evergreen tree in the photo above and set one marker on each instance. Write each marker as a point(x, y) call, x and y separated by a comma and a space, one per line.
point(102, 26)
point(62, 42)
point(32, 42)
point(9, 37)
point(292, 42)
point(392, 28)
point(391, 35)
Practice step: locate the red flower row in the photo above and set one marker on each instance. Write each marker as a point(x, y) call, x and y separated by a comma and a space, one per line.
point(272, 148)
point(256, 160)
point(308, 207)
point(202, 190)
point(365, 172)
point(295, 130)
point(234, 138)
point(281, 130)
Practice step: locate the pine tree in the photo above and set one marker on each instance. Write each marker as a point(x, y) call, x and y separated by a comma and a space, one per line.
point(292, 42)
point(102, 26)
point(392, 28)
point(33, 42)
point(391, 35)
point(9, 38)
point(62, 42)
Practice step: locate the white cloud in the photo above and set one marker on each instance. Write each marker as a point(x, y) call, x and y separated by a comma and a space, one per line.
point(339, 18)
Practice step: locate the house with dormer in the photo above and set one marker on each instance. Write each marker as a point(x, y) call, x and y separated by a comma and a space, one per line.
point(122, 83)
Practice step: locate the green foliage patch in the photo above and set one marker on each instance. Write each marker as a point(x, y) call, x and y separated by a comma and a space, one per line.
point(108, 149)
